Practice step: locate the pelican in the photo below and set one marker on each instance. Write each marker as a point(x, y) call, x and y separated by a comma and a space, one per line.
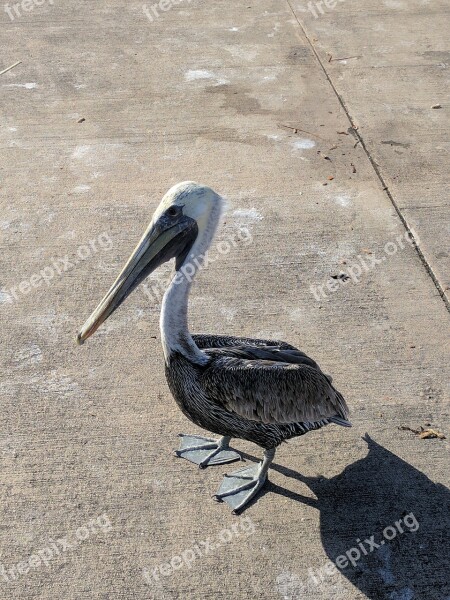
point(258, 390)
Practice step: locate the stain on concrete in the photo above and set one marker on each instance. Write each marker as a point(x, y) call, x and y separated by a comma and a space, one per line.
point(199, 74)
point(392, 143)
point(228, 134)
point(343, 200)
point(439, 55)
point(238, 99)
point(303, 144)
point(298, 54)
point(27, 86)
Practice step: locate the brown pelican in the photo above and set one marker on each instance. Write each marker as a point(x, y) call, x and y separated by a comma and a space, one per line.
point(258, 390)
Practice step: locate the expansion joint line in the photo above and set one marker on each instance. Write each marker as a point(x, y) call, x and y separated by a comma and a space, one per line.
point(375, 167)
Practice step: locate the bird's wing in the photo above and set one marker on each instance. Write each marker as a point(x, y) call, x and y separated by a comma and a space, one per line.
point(271, 391)
point(204, 340)
point(240, 347)
point(268, 353)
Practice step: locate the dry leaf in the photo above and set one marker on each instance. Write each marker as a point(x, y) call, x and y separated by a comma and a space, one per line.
point(430, 434)
point(424, 434)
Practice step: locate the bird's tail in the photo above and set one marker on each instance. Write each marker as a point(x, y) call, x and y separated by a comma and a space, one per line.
point(340, 421)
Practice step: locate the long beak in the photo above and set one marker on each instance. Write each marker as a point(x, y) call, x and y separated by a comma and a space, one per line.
point(157, 245)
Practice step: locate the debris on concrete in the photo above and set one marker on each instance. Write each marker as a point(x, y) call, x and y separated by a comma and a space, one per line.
point(11, 67)
point(342, 276)
point(424, 434)
point(298, 130)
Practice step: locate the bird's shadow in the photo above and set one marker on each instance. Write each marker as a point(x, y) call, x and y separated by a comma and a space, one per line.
point(408, 515)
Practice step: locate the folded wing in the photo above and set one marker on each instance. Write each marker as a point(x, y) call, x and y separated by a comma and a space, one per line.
point(272, 384)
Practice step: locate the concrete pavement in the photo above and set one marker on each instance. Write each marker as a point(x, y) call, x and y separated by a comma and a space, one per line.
point(106, 111)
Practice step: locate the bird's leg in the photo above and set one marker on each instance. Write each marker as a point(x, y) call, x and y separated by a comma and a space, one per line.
point(206, 451)
point(241, 486)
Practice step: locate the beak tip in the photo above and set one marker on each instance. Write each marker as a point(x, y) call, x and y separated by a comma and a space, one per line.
point(80, 340)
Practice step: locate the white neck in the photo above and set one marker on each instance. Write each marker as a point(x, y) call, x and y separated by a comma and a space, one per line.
point(173, 323)
point(175, 334)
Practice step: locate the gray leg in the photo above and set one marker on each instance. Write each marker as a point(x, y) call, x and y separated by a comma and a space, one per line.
point(241, 486)
point(206, 451)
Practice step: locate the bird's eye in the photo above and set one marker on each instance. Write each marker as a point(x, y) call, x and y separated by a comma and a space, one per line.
point(172, 211)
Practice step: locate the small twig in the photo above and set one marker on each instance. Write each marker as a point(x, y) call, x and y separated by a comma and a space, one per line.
point(11, 67)
point(416, 431)
point(297, 129)
point(324, 156)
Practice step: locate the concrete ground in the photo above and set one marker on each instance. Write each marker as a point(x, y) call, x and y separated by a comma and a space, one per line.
point(320, 131)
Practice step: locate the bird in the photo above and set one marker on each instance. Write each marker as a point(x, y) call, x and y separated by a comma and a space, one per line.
point(259, 390)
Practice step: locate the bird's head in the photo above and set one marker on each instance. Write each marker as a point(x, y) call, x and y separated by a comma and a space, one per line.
point(184, 222)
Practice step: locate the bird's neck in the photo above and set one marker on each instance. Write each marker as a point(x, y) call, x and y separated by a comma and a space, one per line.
point(175, 334)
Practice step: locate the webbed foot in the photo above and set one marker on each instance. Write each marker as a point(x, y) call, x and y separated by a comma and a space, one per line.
point(238, 488)
point(204, 451)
